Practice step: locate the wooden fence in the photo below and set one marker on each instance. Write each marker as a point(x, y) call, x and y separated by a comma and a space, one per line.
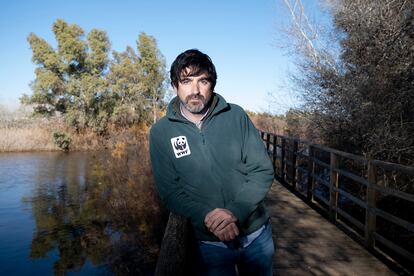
point(353, 191)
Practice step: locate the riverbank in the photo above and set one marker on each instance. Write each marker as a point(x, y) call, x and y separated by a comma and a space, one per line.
point(20, 132)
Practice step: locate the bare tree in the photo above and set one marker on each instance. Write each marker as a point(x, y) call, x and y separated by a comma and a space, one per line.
point(360, 100)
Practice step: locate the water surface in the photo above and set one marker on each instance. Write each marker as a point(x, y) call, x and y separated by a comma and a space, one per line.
point(77, 213)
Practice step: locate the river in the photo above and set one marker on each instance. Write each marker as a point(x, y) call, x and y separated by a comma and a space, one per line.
point(77, 214)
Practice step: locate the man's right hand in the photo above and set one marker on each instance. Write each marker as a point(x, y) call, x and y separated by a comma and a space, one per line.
point(228, 233)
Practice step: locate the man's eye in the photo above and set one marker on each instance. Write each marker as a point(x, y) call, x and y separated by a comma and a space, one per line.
point(185, 81)
point(205, 82)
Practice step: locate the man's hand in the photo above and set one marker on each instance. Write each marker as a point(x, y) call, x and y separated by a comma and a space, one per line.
point(228, 233)
point(218, 219)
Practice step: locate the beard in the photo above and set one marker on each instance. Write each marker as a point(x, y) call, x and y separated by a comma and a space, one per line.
point(196, 104)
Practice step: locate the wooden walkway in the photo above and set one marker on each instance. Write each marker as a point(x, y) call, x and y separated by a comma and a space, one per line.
point(308, 244)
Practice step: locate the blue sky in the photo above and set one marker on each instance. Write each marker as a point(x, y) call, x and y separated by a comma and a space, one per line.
point(242, 38)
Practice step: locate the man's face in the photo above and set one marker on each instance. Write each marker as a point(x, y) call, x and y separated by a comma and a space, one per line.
point(194, 92)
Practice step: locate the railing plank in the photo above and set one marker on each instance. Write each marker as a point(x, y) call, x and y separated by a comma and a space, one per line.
point(394, 247)
point(396, 193)
point(354, 177)
point(352, 198)
point(310, 184)
point(401, 222)
point(320, 163)
point(333, 186)
point(350, 218)
point(394, 167)
point(370, 216)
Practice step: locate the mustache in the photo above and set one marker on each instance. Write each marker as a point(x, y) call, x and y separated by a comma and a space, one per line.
point(195, 97)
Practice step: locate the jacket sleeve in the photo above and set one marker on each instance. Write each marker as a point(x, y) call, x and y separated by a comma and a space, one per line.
point(259, 173)
point(172, 194)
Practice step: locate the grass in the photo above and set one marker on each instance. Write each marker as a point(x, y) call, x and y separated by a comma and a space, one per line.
point(19, 132)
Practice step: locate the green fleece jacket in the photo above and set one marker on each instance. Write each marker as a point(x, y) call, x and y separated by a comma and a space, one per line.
point(222, 165)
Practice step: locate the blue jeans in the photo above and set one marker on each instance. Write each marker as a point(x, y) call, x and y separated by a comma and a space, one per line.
point(255, 259)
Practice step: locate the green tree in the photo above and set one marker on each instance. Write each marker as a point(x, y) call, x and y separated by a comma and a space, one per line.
point(153, 69)
point(137, 82)
point(71, 79)
point(81, 82)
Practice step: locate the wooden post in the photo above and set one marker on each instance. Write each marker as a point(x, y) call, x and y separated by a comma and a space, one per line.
point(370, 217)
point(294, 165)
point(178, 249)
point(311, 171)
point(333, 186)
point(267, 142)
point(274, 152)
point(262, 134)
point(283, 171)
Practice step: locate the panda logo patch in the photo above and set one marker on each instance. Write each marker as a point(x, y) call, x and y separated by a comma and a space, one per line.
point(180, 146)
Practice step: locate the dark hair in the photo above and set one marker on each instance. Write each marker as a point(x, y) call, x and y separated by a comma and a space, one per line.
point(197, 62)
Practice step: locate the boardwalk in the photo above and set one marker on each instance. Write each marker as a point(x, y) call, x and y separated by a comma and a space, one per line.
point(307, 244)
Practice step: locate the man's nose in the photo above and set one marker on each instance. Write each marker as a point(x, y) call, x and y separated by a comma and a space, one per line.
point(196, 88)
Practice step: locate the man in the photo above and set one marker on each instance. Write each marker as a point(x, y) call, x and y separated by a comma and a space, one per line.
point(210, 166)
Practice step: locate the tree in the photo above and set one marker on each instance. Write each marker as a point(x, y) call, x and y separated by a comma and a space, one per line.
point(359, 94)
point(137, 82)
point(125, 81)
point(153, 69)
point(71, 79)
point(79, 80)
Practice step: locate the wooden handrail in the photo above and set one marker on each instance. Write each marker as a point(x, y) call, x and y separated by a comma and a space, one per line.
point(178, 248)
point(289, 168)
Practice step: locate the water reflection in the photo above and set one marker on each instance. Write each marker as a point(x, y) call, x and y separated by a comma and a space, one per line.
point(100, 215)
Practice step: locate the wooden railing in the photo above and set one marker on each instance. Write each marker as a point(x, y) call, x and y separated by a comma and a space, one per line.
point(351, 190)
point(178, 252)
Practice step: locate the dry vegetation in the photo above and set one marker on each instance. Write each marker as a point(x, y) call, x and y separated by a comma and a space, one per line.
point(268, 122)
point(20, 131)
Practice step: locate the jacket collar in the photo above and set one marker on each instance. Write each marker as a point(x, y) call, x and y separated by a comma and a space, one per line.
point(218, 105)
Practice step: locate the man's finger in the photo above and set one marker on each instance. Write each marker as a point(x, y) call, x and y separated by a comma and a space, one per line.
point(218, 221)
point(224, 224)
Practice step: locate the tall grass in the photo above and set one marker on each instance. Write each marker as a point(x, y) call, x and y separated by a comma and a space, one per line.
point(19, 131)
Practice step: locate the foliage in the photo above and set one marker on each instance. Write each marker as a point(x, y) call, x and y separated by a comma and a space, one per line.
point(80, 81)
point(361, 100)
point(62, 140)
point(268, 122)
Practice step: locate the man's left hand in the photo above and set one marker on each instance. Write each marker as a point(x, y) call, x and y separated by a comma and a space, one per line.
point(218, 219)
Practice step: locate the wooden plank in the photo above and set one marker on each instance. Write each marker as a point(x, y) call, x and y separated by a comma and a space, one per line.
point(359, 158)
point(311, 183)
point(352, 198)
point(267, 141)
point(401, 222)
point(394, 247)
point(321, 199)
point(350, 218)
point(320, 180)
point(333, 183)
point(396, 193)
point(354, 177)
point(394, 167)
point(274, 153)
point(283, 159)
point(370, 216)
point(320, 163)
point(303, 170)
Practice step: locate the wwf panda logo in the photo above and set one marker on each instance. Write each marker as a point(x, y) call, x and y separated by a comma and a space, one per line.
point(180, 146)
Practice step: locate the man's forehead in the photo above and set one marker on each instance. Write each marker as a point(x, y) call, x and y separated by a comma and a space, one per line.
point(193, 72)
